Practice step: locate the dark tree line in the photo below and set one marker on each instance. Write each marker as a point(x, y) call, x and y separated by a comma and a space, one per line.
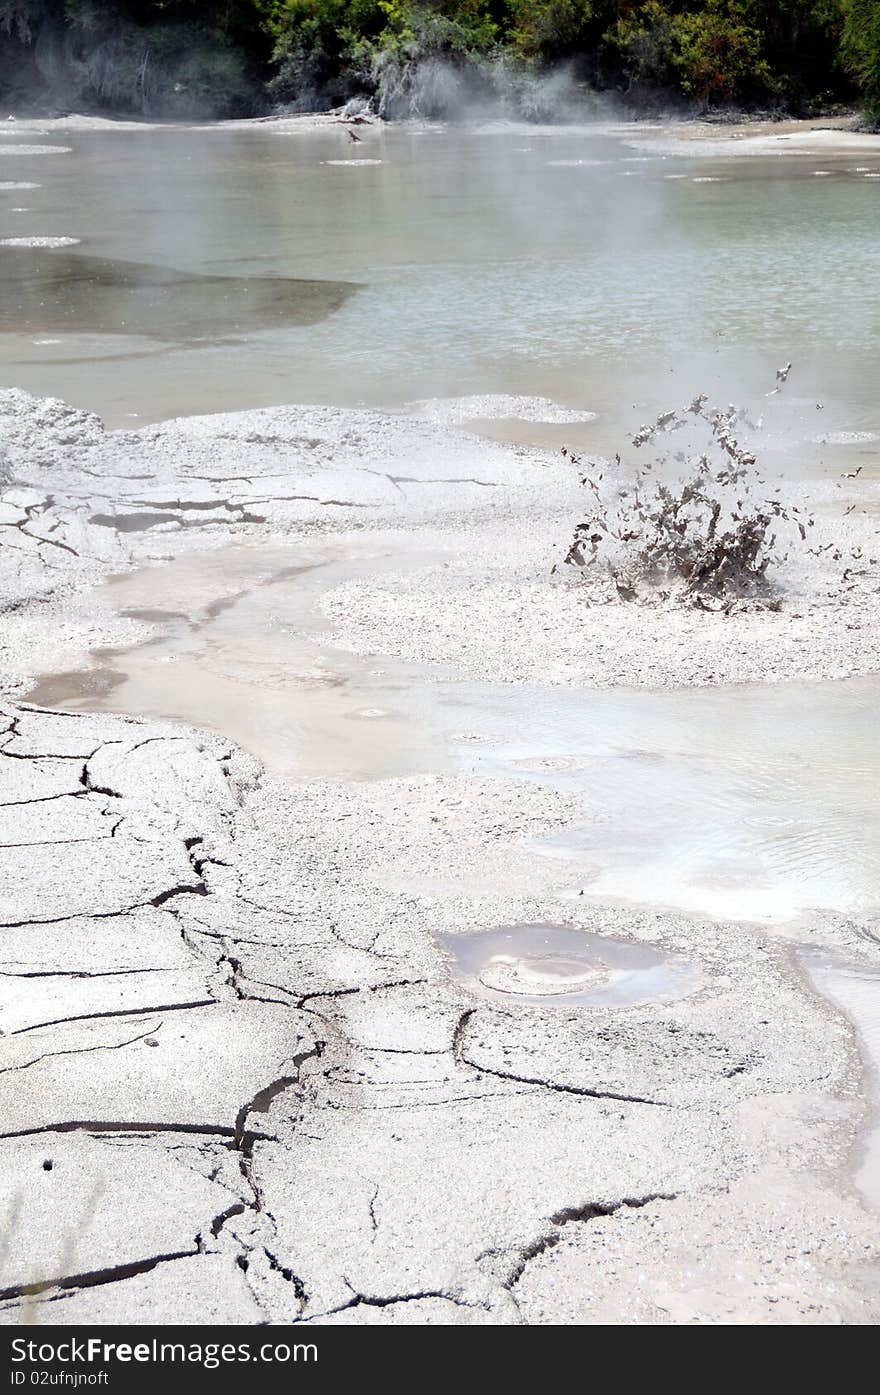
point(430, 56)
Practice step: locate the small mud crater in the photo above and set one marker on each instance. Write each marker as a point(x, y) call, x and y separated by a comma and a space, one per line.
point(539, 763)
point(559, 965)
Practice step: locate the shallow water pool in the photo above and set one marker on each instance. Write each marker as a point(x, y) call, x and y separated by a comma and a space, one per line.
point(751, 802)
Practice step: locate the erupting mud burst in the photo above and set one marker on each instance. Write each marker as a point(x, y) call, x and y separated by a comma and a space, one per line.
point(710, 537)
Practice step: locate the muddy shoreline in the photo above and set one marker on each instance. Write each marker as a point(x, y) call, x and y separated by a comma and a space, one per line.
point(338, 1130)
point(698, 137)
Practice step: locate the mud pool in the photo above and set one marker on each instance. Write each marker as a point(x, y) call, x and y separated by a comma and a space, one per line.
point(555, 964)
point(857, 992)
point(747, 802)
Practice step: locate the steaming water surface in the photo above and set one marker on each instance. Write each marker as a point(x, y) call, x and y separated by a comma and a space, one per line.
point(531, 261)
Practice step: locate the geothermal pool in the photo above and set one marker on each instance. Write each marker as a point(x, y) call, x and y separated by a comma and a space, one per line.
point(432, 262)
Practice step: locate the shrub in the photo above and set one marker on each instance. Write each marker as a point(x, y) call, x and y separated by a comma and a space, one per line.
point(418, 59)
point(552, 30)
point(718, 55)
point(321, 49)
point(712, 53)
point(21, 18)
point(173, 70)
point(860, 52)
point(723, 51)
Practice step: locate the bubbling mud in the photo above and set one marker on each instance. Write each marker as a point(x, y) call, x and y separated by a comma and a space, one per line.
point(847, 438)
point(558, 965)
point(35, 149)
point(460, 411)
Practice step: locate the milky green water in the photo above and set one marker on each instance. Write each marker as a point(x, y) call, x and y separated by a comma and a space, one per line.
point(534, 261)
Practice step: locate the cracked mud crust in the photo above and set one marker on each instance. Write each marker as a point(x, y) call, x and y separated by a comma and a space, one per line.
point(238, 1081)
point(260, 1068)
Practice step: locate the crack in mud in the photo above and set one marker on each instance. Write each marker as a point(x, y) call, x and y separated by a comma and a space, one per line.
point(148, 1011)
point(80, 1050)
point(588, 1092)
point(572, 1215)
point(365, 1300)
point(262, 1100)
point(137, 1127)
point(82, 973)
point(94, 1277)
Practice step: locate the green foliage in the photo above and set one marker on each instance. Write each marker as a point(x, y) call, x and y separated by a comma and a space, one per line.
point(860, 51)
point(718, 53)
point(644, 38)
point(318, 53)
point(316, 43)
point(551, 29)
point(730, 50)
point(329, 50)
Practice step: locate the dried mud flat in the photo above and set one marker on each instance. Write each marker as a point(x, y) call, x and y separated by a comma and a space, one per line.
point(241, 1083)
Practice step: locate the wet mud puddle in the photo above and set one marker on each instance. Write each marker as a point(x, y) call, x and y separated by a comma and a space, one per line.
point(750, 802)
point(857, 992)
point(549, 965)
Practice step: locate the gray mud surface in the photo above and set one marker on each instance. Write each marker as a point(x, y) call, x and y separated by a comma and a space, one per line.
point(241, 1082)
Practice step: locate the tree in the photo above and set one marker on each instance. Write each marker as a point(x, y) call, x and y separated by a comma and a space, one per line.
point(860, 51)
